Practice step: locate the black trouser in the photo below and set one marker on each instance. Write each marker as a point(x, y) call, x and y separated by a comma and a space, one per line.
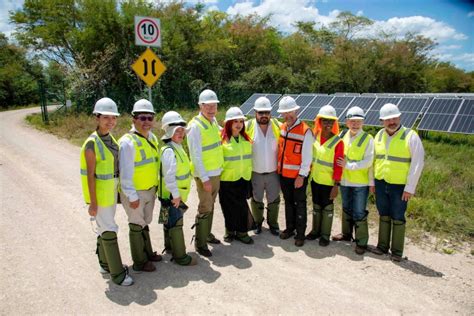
point(295, 206)
point(321, 194)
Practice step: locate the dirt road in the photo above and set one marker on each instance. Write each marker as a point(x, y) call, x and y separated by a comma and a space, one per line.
point(49, 265)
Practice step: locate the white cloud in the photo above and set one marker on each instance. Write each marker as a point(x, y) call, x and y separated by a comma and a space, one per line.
point(360, 13)
point(8, 5)
point(464, 61)
point(470, 14)
point(428, 27)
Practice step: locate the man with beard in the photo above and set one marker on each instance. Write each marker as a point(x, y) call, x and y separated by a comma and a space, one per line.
point(264, 132)
point(399, 160)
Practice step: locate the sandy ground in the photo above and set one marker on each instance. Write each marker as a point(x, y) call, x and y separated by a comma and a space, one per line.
point(49, 265)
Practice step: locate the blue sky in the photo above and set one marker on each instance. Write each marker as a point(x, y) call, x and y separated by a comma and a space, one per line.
point(449, 23)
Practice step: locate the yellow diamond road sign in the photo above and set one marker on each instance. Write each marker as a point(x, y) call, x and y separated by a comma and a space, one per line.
point(149, 67)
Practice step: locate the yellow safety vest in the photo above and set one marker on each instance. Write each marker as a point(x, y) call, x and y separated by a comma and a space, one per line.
point(212, 156)
point(237, 160)
point(183, 174)
point(354, 152)
point(323, 160)
point(145, 173)
point(105, 186)
point(393, 165)
point(250, 128)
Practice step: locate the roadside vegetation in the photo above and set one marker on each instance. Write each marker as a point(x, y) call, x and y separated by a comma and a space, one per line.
point(443, 205)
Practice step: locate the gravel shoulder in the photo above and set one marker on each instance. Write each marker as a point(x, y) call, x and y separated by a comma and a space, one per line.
point(47, 251)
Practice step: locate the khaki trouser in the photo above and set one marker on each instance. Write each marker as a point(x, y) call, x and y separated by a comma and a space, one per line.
point(143, 214)
point(207, 199)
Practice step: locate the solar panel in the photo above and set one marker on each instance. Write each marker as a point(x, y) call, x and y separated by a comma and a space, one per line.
point(303, 100)
point(247, 106)
point(363, 102)
point(341, 103)
point(440, 114)
point(464, 121)
point(312, 109)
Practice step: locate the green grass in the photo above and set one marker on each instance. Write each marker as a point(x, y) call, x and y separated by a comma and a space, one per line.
point(443, 205)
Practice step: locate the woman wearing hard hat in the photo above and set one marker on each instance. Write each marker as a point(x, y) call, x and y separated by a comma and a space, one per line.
point(325, 173)
point(174, 186)
point(99, 175)
point(235, 178)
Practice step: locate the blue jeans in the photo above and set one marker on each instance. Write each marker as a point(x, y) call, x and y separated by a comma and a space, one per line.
point(388, 198)
point(354, 201)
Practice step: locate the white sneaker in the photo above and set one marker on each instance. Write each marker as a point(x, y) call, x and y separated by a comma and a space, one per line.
point(103, 271)
point(127, 281)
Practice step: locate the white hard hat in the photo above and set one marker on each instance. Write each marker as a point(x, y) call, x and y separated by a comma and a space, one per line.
point(144, 106)
point(106, 106)
point(262, 104)
point(208, 96)
point(172, 118)
point(327, 112)
point(170, 130)
point(234, 113)
point(287, 104)
point(355, 113)
point(389, 111)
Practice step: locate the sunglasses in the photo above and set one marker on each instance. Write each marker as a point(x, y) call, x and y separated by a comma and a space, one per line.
point(146, 118)
point(264, 113)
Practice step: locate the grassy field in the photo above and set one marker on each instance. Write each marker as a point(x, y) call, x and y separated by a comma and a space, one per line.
point(442, 207)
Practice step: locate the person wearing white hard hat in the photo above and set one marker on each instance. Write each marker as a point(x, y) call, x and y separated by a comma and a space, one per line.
point(99, 177)
point(207, 159)
point(235, 178)
point(325, 173)
point(293, 166)
point(399, 161)
point(174, 186)
point(264, 131)
point(139, 153)
point(356, 178)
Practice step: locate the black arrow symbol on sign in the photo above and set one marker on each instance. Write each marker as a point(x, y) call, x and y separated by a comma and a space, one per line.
point(153, 68)
point(145, 72)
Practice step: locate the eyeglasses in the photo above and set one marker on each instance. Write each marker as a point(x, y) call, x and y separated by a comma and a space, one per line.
point(146, 118)
point(263, 113)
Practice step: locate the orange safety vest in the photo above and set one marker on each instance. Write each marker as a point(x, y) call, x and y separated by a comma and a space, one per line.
point(290, 147)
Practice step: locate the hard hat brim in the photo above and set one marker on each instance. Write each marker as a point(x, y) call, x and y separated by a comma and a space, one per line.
point(329, 117)
point(390, 116)
point(262, 109)
point(289, 110)
point(106, 113)
point(208, 102)
point(235, 118)
point(143, 111)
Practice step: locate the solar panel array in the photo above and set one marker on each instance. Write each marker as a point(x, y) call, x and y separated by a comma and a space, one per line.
point(438, 112)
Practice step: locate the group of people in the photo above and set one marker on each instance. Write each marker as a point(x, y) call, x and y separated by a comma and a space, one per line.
point(246, 159)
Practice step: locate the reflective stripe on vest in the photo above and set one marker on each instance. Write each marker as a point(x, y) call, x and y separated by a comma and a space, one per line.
point(146, 162)
point(290, 147)
point(211, 155)
point(237, 160)
point(183, 174)
point(393, 165)
point(354, 152)
point(323, 158)
point(105, 185)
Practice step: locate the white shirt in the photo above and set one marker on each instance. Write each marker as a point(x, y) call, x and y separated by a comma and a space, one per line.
point(127, 165)
point(366, 162)
point(168, 169)
point(264, 150)
point(195, 151)
point(306, 151)
point(417, 153)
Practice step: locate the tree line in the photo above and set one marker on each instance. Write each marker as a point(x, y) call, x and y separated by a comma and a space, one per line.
point(83, 50)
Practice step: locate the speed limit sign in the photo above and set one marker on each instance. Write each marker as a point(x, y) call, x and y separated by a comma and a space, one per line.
point(147, 31)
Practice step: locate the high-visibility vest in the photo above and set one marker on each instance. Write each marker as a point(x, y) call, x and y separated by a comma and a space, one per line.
point(290, 148)
point(105, 187)
point(354, 152)
point(212, 156)
point(251, 124)
point(237, 160)
point(323, 160)
point(183, 174)
point(146, 162)
point(393, 165)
